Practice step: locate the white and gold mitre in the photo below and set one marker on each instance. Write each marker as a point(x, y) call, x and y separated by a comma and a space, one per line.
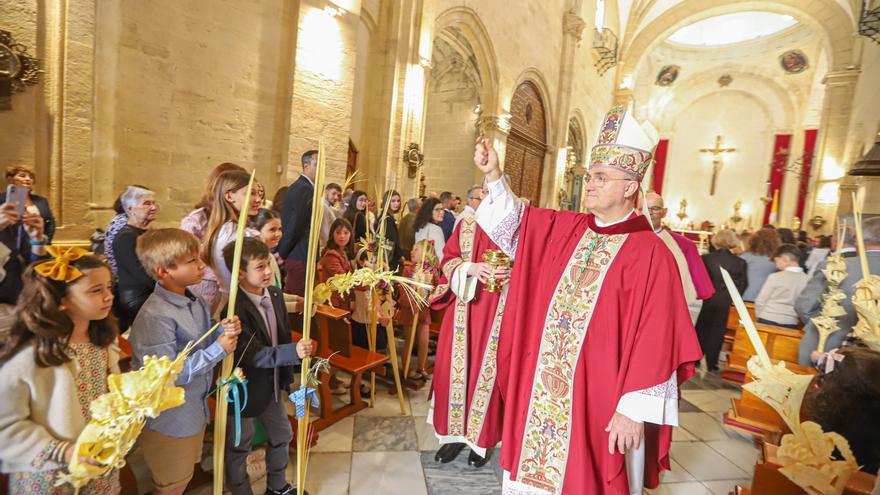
point(624, 143)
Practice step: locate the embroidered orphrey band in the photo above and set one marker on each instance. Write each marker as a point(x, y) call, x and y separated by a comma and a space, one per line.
point(488, 372)
point(458, 359)
point(545, 444)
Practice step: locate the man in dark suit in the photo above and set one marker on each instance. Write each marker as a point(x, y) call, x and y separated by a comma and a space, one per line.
point(296, 217)
point(809, 304)
point(267, 356)
point(448, 223)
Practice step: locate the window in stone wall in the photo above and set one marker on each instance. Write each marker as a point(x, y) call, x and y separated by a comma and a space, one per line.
point(600, 14)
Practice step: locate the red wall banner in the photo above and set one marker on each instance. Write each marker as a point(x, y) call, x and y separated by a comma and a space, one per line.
point(781, 151)
point(806, 167)
point(659, 166)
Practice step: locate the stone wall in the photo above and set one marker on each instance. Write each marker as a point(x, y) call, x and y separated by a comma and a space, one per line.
point(183, 86)
point(18, 128)
point(865, 123)
point(326, 52)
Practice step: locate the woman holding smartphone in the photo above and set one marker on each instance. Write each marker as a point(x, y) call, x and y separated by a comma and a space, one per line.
point(22, 242)
point(25, 177)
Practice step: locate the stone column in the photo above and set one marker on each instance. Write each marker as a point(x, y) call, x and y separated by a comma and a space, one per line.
point(831, 154)
point(572, 27)
point(394, 64)
point(69, 65)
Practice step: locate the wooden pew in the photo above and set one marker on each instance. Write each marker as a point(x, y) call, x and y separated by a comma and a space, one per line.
point(781, 343)
point(334, 342)
point(751, 415)
point(769, 481)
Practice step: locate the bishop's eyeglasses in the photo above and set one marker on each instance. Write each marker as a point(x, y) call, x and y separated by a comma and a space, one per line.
point(600, 180)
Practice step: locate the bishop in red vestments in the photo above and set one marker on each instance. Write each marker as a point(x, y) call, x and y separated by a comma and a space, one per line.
point(596, 336)
point(466, 403)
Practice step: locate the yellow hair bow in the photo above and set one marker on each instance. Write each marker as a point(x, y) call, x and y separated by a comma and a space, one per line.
point(59, 267)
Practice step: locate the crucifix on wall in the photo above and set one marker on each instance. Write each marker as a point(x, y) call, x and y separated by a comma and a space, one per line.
point(716, 161)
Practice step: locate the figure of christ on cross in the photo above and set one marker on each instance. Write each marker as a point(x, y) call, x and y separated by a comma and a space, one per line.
point(716, 161)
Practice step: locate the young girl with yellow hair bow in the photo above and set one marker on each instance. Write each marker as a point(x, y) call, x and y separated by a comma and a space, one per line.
point(53, 362)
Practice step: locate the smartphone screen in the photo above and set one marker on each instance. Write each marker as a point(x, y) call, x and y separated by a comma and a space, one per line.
point(17, 195)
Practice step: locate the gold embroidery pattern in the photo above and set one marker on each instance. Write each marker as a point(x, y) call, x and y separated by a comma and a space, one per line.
point(546, 438)
point(488, 372)
point(458, 358)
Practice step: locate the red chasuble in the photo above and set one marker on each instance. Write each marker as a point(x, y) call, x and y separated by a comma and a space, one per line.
point(467, 404)
point(593, 313)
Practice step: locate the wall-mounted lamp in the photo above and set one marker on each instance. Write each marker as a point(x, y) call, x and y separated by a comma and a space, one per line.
point(414, 158)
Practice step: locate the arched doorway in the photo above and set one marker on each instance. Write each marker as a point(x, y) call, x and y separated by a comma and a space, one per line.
point(527, 142)
point(574, 167)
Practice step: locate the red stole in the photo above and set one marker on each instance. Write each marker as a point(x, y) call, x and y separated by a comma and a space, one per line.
point(583, 335)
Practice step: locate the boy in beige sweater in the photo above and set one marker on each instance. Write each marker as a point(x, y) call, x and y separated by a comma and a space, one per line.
point(775, 302)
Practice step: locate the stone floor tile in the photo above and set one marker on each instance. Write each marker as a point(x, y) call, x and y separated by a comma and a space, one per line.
point(373, 434)
point(741, 452)
point(388, 473)
point(703, 463)
point(328, 473)
point(337, 437)
point(457, 478)
point(702, 426)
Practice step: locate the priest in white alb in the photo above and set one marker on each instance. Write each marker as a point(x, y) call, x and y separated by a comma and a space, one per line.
point(596, 336)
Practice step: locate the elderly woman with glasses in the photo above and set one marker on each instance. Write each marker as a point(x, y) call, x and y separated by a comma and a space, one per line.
point(135, 285)
point(25, 177)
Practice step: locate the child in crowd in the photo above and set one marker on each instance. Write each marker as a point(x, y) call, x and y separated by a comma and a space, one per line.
point(54, 361)
point(195, 223)
point(428, 273)
point(268, 224)
point(775, 302)
point(336, 259)
point(227, 200)
point(170, 319)
point(266, 355)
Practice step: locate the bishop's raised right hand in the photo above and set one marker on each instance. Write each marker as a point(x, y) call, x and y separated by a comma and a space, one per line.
point(486, 159)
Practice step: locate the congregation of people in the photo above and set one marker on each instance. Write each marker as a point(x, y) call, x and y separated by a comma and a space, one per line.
point(63, 310)
point(780, 271)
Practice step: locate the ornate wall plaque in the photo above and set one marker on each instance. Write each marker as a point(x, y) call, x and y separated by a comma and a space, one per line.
point(18, 70)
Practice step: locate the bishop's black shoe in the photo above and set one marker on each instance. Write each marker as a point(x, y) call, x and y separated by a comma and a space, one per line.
point(477, 461)
point(447, 453)
point(287, 490)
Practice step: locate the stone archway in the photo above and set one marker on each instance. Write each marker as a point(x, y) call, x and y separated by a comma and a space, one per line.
point(453, 93)
point(527, 142)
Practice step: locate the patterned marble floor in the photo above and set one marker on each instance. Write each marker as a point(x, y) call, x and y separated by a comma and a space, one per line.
point(380, 451)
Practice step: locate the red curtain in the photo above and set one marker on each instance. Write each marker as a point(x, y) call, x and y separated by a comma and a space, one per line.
point(781, 151)
point(806, 168)
point(659, 166)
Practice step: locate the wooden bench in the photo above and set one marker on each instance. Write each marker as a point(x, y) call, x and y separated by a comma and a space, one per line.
point(769, 481)
point(749, 414)
point(333, 338)
point(781, 343)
